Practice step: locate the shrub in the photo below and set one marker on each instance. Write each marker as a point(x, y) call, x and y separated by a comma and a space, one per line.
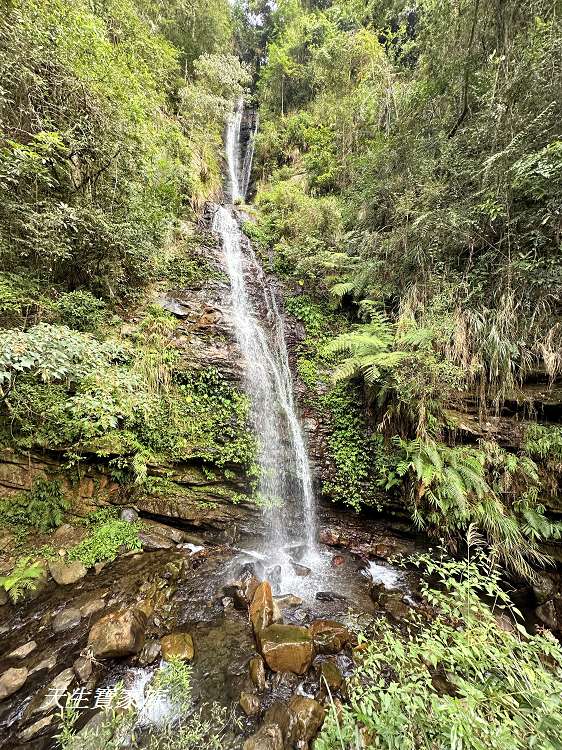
point(22, 578)
point(456, 679)
point(80, 310)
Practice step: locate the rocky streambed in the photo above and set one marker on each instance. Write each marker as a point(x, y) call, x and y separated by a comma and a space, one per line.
point(268, 655)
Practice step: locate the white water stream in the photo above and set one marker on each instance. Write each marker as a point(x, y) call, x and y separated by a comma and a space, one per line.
point(285, 483)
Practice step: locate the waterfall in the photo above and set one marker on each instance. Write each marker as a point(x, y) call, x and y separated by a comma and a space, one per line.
point(285, 484)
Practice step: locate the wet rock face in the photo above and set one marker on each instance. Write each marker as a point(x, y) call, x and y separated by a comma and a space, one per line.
point(67, 619)
point(287, 648)
point(250, 703)
point(12, 680)
point(269, 737)
point(118, 634)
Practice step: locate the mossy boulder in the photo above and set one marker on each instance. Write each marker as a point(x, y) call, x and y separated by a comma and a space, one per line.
point(287, 648)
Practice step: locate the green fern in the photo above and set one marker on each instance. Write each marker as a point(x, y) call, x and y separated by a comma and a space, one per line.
point(22, 578)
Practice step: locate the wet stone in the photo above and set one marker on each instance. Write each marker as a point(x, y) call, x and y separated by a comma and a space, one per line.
point(330, 675)
point(67, 573)
point(83, 668)
point(91, 607)
point(23, 651)
point(261, 608)
point(257, 672)
point(49, 697)
point(329, 637)
point(330, 596)
point(287, 648)
point(66, 620)
point(250, 703)
point(12, 680)
point(36, 728)
point(308, 718)
point(300, 570)
point(150, 652)
point(268, 737)
point(129, 515)
point(118, 634)
point(279, 714)
point(177, 646)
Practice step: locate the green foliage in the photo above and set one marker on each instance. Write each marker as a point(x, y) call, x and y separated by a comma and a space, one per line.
point(451, 490)
point(22, 579)
point(455, 679)
point(81, 310)
point(111, 124)
point(43, 507)
point(105, 540)
point(545, 442)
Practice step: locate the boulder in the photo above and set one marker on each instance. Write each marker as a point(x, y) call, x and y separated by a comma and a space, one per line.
point(23, 651)
point(329, 637)
point(257, 672)
point(330, 676)
point(12, 680)
point(118, 634)
point(337, 560)
point(67, 535)
point(261, 608)
point(67, 619)
point(308, 718)
point(268, 737)
point(392, 602)
point(287, 648)
point(177, 646)
point(67, 573)
point(250, 703)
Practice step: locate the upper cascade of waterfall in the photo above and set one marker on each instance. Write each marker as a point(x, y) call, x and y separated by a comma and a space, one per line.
point(285, 483)
point(239, 154)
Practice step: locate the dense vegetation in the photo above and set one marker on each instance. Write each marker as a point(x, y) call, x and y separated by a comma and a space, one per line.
point(469, 676)
point(409, 171)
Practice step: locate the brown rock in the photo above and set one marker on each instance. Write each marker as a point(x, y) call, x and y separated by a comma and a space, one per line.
point(547, 615)
point(177, 646)
point(68, 536)
point(337, 560)
point(261, 608)
point(257, 672)
point(287, 600)
point(250, 703)
point(329, 637)
point(91, 607)
point(67, 573)
point(308, 718)
point(12, 680)
point(268, 737)
point(279, 714)
point(118, 634)
point(287, 648)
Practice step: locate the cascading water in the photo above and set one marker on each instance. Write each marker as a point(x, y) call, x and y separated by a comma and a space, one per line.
point(285, 484)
